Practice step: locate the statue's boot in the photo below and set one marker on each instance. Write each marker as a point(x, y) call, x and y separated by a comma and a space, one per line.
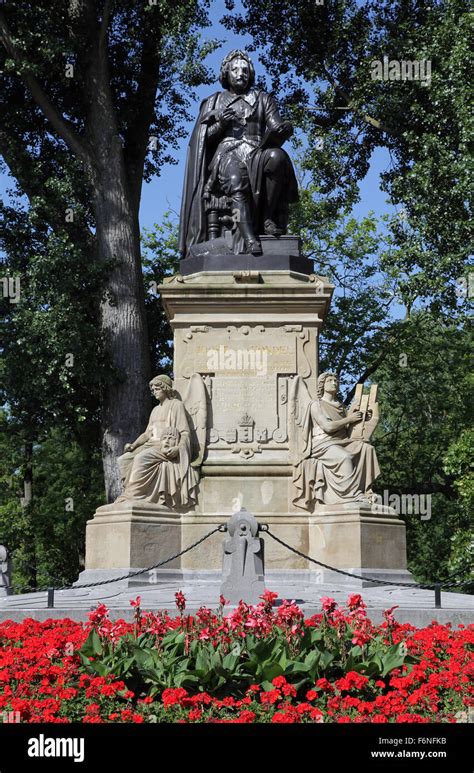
point(252, 243)
point(275, 222)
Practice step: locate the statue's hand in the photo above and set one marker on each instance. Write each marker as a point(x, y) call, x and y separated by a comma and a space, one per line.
point(355, 417)
point(286, 129)
point(225, 117)
point(172, 452)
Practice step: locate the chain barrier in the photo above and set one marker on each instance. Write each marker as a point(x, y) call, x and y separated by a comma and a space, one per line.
point(221, 527)
point(436, 587)
point(421, 586)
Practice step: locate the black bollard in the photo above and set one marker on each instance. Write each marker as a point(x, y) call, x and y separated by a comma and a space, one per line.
point(437, 590)
point(50, 598)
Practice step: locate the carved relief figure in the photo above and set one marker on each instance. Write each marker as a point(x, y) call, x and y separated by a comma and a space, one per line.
point(331, 466)
point(242, 570)
point(235, 155)
point(161, 465)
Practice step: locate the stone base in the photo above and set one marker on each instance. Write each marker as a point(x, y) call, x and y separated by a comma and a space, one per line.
point(133, 536)
point(128, 577)
point(414, 605)
point(281, 253)
point(368, 539)
point(384, 577)
point(201, 263)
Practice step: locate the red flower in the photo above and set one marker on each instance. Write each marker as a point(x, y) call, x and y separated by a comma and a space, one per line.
point(323, 684)
point(246, 716)
point(93, 708)
point(254, 688)
point(180, 600)
point(270, 696)
point(283, 717)
point(269, 597)
point(354, 601)
point(360, 638)
point(352, 680)
point(328, 604)
point(173, 695)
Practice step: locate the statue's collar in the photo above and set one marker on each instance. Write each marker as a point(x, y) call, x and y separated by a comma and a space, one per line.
point(250, 97)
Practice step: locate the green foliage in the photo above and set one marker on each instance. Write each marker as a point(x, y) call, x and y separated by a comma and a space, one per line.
point(46, 536)
point(149, 663)
point(458, 464)
point(160, 259)
point(426, 409)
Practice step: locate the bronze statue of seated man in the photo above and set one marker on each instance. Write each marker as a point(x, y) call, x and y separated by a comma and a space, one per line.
point(235, 151)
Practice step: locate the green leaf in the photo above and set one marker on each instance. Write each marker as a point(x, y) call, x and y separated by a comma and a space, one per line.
point(394, 658)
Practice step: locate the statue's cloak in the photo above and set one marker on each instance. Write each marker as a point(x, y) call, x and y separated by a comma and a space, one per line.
point(192, 221)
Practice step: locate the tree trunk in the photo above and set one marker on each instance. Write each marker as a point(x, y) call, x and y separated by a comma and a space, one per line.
point(115, 202)
point(126, 399)
point(126, 402)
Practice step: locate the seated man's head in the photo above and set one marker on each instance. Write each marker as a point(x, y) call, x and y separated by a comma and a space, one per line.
point(237, 72)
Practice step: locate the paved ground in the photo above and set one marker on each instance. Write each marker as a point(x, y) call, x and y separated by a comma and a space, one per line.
point(415, 606)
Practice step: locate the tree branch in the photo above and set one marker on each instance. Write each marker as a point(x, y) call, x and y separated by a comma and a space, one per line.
point(351, 105)
point(64, 128)
point(367, 372)
point(104, 25)
point(142, 112)
point(32, 177)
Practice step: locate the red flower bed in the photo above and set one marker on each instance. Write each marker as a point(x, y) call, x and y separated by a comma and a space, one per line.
point(256, 664)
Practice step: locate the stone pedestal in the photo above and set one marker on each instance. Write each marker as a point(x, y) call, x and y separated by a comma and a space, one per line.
point(127, 536)
point(248, 330)
point(248, 333)
point(124, 538)
point(366, 541)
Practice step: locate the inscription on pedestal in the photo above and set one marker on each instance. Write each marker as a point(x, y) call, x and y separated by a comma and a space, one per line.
point(234, 397)
point(248, 357)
